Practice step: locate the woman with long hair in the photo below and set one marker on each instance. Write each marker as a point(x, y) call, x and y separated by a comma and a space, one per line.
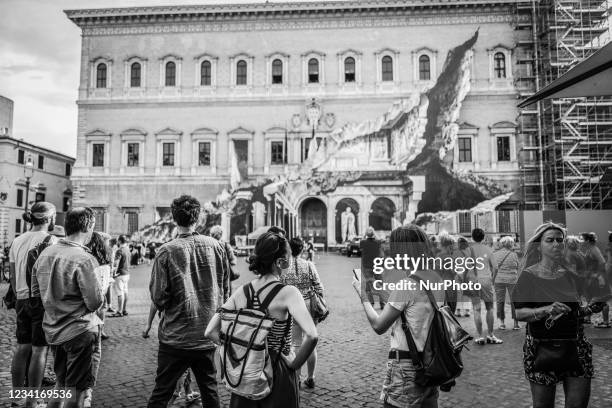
point(100, 249)
point(269, 261)
point(462, 252)
point(303, 275)
point(546, 297)
point(399, 388)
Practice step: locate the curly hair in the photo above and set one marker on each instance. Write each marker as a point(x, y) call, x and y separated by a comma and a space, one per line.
point(268, 248)
point(80, 219)
point(100, 249)
point(40, 213)
point(185, 210)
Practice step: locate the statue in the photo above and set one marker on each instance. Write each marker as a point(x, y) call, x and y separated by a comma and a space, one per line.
point(347, 221)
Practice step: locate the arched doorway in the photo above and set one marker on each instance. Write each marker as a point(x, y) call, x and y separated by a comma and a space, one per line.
point(313, 214)
point(241, 222)
point(381, 214)
point(340, 208)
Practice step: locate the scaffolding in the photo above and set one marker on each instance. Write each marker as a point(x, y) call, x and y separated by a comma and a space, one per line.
point(566, 143)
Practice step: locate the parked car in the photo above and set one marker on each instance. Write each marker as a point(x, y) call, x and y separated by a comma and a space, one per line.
point(352, 247)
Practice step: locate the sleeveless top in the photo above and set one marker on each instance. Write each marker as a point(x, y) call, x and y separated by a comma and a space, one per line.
point(281, 329)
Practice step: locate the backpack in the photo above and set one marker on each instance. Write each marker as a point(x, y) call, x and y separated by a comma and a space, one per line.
point(440, 361)
point(33, 255)
point(246, 365)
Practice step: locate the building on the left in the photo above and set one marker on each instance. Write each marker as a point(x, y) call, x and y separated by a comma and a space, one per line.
point(28, 173)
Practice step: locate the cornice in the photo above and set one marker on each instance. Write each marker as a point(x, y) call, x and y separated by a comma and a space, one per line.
point(274, 16)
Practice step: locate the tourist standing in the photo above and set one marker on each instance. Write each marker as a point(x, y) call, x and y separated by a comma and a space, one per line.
point(545, 296)
point(269, 261)
point(216, 231)
point(484, 276)
point(310, 250)
point(31, 354)
point(595, 265)
point(462, 252)
point(370, 249)
point(189, 281)
point(505, 279)
point(399, 388)
point(71, 294)
point(303, 275)
point(122, 276)
point(100, 249)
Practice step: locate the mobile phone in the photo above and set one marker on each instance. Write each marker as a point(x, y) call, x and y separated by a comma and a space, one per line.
point(357, 274)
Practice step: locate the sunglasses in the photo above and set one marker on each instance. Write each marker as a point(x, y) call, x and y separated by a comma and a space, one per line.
point(557, 240)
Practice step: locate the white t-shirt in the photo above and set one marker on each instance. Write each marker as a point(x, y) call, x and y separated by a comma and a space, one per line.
point(486, 253)
point(418, 311)
point(19, 255)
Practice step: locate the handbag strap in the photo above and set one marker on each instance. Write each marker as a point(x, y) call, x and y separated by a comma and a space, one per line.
point(502, 261)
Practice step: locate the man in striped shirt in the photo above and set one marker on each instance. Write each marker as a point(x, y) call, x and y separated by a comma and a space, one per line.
point(189, 281)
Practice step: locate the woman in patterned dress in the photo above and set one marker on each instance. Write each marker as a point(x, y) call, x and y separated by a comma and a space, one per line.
point(303, 275)
point(546, 297)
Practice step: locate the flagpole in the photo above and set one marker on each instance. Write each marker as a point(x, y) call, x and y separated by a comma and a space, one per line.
point(286, 146)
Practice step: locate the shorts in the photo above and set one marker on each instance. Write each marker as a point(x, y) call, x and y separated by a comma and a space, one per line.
point(400, 390)
point(585, 356)
point(121, 285)
point(30, 313)
point(74, 361)
point(486, 292)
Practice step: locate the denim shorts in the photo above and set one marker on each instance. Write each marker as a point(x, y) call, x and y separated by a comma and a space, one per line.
point(400, 390)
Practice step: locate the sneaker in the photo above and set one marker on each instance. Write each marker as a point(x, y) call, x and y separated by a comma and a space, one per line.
point(494, 340)
point(309, 383)
point(87, 400)
point(125, 313)
point(192, 396)
point(110, 310)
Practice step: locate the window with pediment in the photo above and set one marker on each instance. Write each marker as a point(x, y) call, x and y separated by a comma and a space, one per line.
point(170, 74)
point(499, 61)
point(313, 71)
point(205, 73)
point(277, 71)
point(101, 73)
point(135, 75)
point(387, 68)
point(424, 68)
point(241, 72)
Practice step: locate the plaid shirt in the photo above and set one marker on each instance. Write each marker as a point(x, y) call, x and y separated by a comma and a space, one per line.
point(189, 281)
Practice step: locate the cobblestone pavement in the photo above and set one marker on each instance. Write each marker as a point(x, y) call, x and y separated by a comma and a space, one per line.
point(351, 356)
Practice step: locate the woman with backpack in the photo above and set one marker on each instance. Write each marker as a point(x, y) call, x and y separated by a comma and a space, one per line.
point(546, 297)
point(303, 275)
point(269, 260)
point(399, 387)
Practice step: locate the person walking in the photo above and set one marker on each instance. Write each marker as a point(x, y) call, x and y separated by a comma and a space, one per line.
point(505, 279)
point(189, 280)
point(484, 276)
point(303, 275)
point(122, 276)
point(30, 357)
point(216, 231)
point(71, 294)
point(399, 388)
point(269, 262)
point(370, 249)
point(546, 297)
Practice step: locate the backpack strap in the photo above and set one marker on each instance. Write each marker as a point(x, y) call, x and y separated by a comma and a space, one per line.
point(412, 348)
point(430, 295)
point(248, 293)
point(38, 248)
point(270, 296)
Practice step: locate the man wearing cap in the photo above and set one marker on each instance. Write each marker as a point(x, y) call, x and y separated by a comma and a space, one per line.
point(31, 344)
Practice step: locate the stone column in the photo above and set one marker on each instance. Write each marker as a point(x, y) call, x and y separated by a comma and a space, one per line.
point(331, 226)
point(418, 188)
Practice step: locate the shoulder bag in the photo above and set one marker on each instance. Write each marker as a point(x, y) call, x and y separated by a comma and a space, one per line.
point(318, 306)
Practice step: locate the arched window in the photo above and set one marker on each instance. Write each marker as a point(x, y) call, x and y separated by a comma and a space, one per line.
point(313, 71)
point(424, 68)
point(241, 73)
point(387, 68)
point(135, 71)
point(170, 74)
point(205, 73)
point(101, 76)
point(499, 61)
point(277, 71)
point(349, 69)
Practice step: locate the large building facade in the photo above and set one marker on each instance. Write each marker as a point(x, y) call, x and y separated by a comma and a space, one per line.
point(168, 96)
point(28, 173)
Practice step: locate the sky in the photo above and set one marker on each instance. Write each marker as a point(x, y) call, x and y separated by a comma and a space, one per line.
point(39, 65)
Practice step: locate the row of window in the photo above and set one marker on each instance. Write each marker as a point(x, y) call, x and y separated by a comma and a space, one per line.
point(41, 162)
point(277, 71)
point(168, 154)
point(130, 215)
point(464, 147)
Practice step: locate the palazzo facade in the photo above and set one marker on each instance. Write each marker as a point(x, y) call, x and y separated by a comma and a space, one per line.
point(169, 97)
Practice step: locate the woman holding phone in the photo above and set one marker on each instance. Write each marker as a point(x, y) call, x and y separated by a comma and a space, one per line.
point(399, 388)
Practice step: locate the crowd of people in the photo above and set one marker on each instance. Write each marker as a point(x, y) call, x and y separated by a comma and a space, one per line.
point(63, 294)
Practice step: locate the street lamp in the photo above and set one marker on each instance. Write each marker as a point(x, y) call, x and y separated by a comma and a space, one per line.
point(28, 172)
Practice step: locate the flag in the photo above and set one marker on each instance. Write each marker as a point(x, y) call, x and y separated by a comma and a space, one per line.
point(235, 177)
point(286, 146)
